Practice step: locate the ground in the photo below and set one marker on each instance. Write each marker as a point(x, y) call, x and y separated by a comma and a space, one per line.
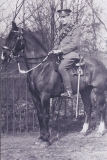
point(70, 146)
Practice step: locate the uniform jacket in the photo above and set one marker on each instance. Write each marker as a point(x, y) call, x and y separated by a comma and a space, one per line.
point(69, 44)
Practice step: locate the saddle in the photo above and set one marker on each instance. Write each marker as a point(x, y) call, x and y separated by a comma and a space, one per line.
point(77, 68)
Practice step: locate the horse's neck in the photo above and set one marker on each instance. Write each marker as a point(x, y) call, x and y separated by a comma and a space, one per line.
point(33, 48)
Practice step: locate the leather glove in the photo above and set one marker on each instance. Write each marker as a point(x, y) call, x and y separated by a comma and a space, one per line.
point(54, 52)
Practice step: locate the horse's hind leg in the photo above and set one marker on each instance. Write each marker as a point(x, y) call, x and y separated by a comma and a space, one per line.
point(85, 95)
point(101, 104)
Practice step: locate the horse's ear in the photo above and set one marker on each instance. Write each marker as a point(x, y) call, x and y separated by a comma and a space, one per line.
point(14, 27)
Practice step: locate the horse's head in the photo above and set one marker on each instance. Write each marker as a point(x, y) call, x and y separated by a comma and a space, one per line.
point(13, 44)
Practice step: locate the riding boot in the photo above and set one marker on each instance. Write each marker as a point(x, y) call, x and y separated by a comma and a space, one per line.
point(63, 69)
point(67, 85)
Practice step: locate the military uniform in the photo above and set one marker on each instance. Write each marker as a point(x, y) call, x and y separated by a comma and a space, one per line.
point(69, 39)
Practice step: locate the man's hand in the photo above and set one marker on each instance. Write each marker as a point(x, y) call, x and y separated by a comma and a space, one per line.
point(54, 52)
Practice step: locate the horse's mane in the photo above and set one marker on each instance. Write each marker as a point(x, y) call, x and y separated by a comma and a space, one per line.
point(33, 34)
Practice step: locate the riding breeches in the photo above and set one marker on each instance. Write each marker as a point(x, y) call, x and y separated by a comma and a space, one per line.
point(63, 67)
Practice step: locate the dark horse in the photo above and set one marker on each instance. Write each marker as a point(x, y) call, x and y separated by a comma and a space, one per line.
point(45, 82)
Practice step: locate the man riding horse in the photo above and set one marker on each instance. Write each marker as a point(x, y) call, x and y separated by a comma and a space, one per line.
point(68, 45)
point(45, 83)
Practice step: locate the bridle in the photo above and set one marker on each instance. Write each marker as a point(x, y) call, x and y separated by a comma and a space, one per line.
point(19, 37)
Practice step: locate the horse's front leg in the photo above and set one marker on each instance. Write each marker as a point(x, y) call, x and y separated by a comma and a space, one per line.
point(85, 95)
point(38, 106)
point(45, 102)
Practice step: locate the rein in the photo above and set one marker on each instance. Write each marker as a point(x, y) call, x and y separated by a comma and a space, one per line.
point(23, 71)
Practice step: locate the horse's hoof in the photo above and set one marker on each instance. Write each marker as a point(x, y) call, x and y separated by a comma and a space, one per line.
point(85, 133)
point(41, 143)
point(39, 140)
point(54, 139)
point(100, 134)
point(44, 144)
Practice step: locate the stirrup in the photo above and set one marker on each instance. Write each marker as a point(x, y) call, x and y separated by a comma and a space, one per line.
point(70, 94)
point(67, 94)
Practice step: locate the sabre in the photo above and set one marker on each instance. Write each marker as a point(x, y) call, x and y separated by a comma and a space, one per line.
point(78, 87)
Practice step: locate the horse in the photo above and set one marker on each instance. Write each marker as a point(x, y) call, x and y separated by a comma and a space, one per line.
point(45, 81)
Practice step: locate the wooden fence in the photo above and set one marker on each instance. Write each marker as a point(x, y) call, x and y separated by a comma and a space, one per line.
point(18, 113)
point(17, 109)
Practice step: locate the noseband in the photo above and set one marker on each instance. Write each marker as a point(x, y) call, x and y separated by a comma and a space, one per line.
point(19, 37)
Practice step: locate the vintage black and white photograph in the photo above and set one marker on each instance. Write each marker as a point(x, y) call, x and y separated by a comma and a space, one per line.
point(53, 79)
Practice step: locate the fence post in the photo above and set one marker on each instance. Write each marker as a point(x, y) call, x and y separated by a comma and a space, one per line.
point(1, 101)
point(65, 99)
point(33, 119)
point(13, 107)
point(26, 109)
point(6, 94)
point(20, 118)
